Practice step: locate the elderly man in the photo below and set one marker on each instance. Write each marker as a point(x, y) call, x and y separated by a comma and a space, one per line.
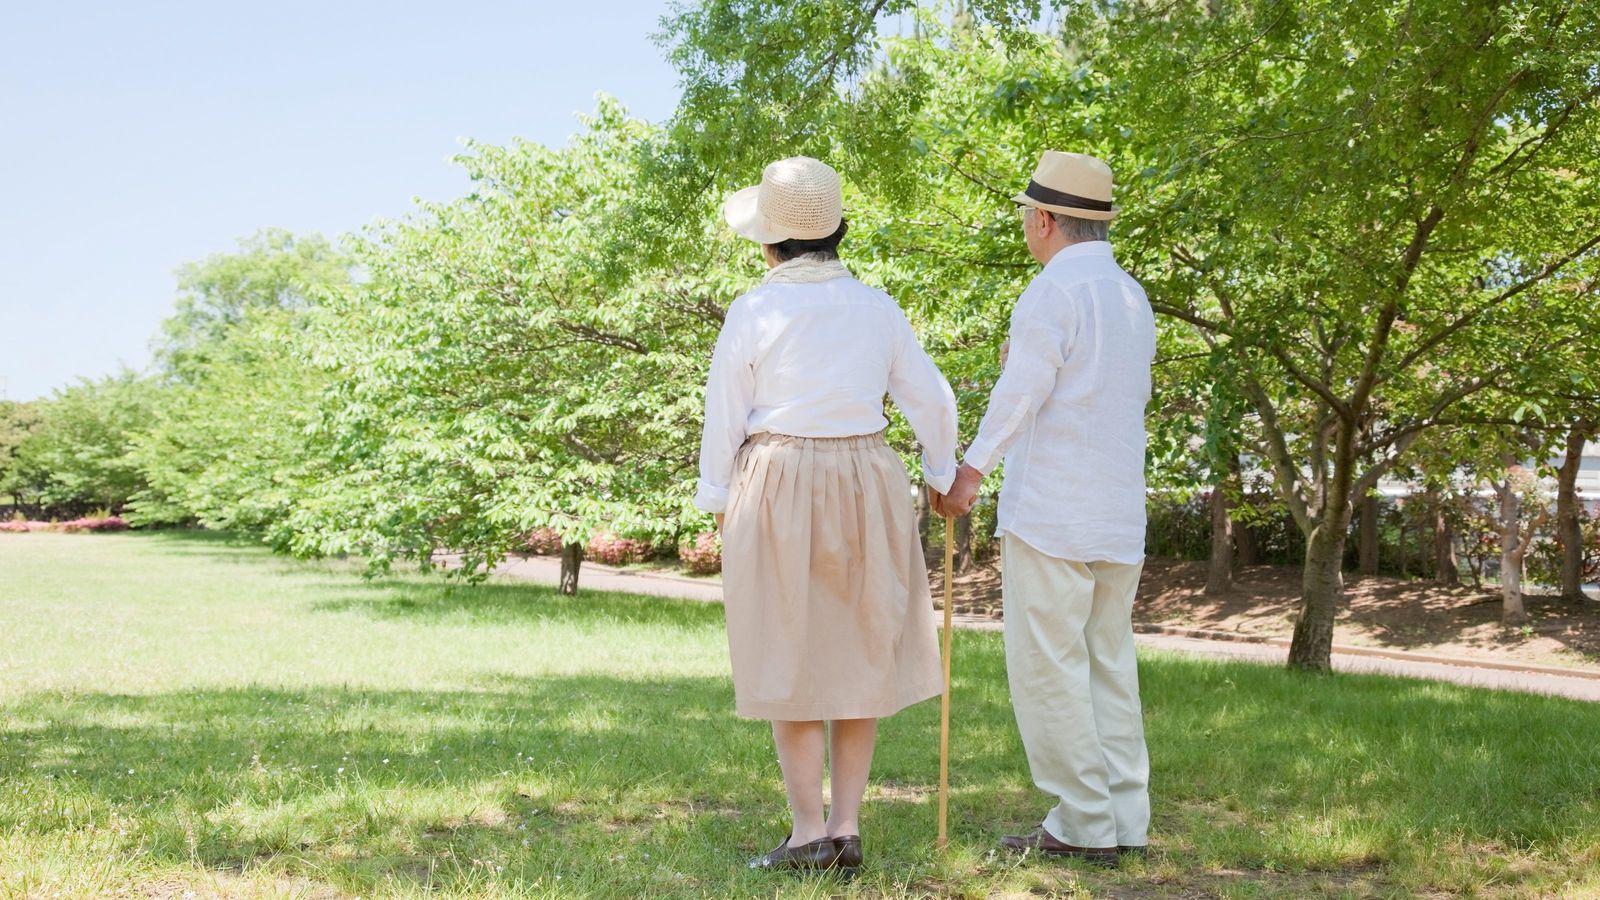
point(1067, 415)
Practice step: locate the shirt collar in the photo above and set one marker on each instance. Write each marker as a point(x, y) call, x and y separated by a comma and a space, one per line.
point(1081, 250)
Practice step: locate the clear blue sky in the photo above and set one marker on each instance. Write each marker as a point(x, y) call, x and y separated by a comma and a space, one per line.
point(137, 136)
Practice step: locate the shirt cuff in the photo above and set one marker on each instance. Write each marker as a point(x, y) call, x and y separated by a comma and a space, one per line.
point(940, 479)
point(710, 498)
point(979, 456)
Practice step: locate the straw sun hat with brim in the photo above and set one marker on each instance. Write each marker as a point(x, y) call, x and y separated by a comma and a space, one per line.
point(1071, 183)
point(799, 198)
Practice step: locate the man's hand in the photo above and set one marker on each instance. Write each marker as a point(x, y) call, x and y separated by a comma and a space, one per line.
point(963, 493)
point(936, 502)
point(720, 517)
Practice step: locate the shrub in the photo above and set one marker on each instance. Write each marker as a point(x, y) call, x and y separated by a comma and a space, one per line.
point(105, 523)
point(543, 542)
point(704, 555)
point(108, 523)
point(1545, 557)
point(612, 550)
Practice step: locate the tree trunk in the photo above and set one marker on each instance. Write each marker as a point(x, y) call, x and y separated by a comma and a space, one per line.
point(1446, 570)
point(1569, 527)
point(571, 559)
point(963, 551)
point(1368, 550)
point(1322, 582)
point(1249, 547)
point(1219, 580)
point(1512, 611)
point(1402, 548)
point(1321, 590)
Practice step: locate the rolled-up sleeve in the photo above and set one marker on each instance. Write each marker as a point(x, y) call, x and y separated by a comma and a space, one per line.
point(730, 391)
point(921, 392)
point(1039, 344)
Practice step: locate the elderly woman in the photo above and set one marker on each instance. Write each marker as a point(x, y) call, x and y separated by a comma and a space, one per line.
point(830, 622)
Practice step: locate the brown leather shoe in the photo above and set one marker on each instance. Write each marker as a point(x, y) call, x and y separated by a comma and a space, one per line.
point(819, 854)
point(1045, 843)
point(849, 856)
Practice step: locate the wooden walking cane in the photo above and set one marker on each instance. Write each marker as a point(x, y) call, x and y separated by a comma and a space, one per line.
point(944, 702)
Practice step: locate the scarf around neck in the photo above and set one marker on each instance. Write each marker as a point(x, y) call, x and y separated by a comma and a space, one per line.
point(806, 269)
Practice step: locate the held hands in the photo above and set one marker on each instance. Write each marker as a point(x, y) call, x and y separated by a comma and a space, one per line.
point(964, 491)
point(963, 494)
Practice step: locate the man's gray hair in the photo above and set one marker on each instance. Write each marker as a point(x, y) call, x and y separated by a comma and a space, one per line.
point(1076, 229)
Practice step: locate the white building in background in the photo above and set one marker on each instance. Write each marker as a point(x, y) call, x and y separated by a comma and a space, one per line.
point(1589, 472)
point(1588, 483)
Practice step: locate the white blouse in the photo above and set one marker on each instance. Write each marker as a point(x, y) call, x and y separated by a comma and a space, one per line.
point(815, 360)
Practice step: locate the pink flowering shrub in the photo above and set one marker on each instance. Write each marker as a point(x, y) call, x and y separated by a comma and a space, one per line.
point(612, 550)
point(704, 555)
point(101, 523)
point(544, 542)
point(109, 523)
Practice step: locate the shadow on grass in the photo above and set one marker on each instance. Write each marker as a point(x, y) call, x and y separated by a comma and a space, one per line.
point(431, 599)
point(577, 775)
point(572, 775)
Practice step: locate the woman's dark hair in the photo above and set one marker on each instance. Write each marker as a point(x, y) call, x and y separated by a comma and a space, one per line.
point(827, 248)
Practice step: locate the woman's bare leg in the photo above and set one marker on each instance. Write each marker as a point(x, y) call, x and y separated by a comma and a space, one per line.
point(800, 750)
point(849, 761)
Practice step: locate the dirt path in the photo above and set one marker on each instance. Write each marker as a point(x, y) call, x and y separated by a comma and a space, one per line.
point(1502, 674)
point(1379, 613)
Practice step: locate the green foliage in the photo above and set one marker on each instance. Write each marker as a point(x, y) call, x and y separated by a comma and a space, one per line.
point(17, 421)
point(1370, 229)
point(74, 456)
point(272, 270)
point(504, 367)
point(1370, 218)
point(226, 446)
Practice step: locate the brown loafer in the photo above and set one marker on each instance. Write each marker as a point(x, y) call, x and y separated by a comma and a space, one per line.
point(819, 854)
point(1045, 843)
point(849, 855)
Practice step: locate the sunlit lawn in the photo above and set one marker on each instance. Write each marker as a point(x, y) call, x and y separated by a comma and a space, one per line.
point(181, 713)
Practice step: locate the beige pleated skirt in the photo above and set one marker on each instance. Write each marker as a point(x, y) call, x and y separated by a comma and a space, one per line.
point(824, 583)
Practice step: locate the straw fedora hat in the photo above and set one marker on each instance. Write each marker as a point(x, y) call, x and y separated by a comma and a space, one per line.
point(798, 198)
point(1071, 183)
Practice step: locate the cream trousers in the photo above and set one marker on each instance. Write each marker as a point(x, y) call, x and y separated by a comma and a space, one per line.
point(1075, 689)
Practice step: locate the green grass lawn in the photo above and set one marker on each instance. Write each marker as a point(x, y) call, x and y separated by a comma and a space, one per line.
point(181, 713)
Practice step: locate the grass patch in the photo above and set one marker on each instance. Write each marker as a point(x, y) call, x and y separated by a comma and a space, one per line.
point(179, 712)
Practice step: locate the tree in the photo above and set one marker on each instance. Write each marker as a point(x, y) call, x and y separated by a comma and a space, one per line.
point(510, 364)
point(1429, 184)
point(75, 458)
point(271, 270)
point(17, 421)
point(1517, 493)
point(1362, 206)
point(227, 446)
point(1569, 522)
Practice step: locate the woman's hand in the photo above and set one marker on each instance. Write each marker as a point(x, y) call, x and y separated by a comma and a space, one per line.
point(1005, 352)
point(720, 517)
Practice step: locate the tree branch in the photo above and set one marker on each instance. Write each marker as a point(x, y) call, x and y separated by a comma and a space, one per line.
point(1463, 321)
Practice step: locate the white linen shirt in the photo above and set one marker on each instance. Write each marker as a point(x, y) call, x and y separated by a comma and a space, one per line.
point(1068, 411)
point(815, 360)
